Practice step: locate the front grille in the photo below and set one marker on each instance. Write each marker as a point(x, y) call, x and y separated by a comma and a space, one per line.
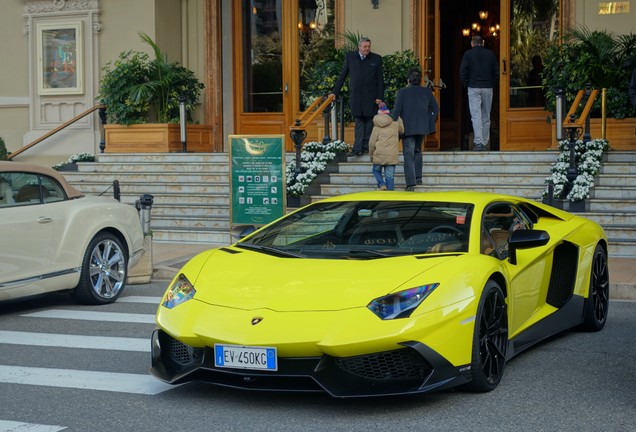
point(182, 354)
point(399, 364)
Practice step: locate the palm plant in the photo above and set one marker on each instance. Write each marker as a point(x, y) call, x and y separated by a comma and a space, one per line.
point(135, 87)
point(599, 58)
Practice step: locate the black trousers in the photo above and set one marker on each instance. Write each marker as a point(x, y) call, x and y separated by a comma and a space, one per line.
point(362, 131)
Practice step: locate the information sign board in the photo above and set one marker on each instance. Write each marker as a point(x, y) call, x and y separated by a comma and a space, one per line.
point(257, 178)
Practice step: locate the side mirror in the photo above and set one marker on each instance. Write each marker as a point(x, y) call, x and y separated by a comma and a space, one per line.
point(238, 232)
point(525, 239)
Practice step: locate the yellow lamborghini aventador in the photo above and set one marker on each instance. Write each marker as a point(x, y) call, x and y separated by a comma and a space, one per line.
point(383, 293)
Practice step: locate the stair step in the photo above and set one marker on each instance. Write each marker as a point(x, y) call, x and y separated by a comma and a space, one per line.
point(192, 203)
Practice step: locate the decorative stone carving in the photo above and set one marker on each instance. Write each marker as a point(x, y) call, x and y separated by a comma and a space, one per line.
point(60, 6)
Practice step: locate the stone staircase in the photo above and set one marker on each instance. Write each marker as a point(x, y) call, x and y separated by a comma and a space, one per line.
point(192, 202)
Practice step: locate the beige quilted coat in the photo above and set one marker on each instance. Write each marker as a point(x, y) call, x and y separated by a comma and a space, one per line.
point(383, 144)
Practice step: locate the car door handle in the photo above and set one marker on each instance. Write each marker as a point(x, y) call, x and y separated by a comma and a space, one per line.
point(44, 219)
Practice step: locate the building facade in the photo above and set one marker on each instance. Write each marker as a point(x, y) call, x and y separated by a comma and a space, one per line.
point(255, 58)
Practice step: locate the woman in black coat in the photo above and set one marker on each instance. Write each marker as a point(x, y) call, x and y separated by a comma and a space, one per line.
point(418, 108)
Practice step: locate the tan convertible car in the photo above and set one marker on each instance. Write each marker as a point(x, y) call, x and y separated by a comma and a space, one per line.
point(53, 238)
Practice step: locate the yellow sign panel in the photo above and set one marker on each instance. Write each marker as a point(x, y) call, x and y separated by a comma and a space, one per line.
point(611, 8)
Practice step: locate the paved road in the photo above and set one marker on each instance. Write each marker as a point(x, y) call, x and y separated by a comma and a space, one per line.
point(77, 368)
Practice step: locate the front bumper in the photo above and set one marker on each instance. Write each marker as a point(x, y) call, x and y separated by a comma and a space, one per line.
point(413, 369)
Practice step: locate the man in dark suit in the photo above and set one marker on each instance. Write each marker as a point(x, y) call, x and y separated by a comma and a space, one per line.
point(366, 91)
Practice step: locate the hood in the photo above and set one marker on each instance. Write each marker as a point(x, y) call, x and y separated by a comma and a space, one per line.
point(252, 280)
point(382, 120)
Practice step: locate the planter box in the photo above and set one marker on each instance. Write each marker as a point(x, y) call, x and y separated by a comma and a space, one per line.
point(570, 206)
point(156, 138)
point(620, 133)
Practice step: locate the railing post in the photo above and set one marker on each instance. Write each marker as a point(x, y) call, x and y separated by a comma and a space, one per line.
point(559, 113)
point(586, 135)
point(342, 127)
point(102, 132)
point(572, 173)
point(298, 136)
point(182, 123)
point(326, 113)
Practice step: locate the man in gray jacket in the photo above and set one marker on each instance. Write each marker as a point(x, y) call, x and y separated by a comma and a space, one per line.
point(479, 71)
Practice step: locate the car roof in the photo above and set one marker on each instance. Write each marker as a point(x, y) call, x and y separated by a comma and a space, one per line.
point(481, 200)
point(477, 198)
point(22, 167)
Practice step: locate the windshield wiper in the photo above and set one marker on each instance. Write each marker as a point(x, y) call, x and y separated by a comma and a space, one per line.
point(371, 252)
point(269, 250)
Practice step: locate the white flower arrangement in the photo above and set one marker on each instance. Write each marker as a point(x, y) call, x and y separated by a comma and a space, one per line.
point(589, 157)
point(78, 157)
point(314, 158)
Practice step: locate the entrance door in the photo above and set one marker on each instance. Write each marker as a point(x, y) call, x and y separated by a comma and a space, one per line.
point(431, 64)
point(458, 21)
point(534, 26)
point(275, 44)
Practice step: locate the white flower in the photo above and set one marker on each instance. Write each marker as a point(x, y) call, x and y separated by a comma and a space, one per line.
point(314, 158)
point(588, 157)
point(77, 157)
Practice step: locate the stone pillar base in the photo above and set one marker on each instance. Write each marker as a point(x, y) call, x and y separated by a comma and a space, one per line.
point(141, 273)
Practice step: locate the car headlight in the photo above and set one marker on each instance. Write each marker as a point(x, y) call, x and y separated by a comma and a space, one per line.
point(400, 304)
point(180, 292)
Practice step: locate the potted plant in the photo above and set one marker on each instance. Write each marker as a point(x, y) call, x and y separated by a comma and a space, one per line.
point(605, 61)
point(141, 95)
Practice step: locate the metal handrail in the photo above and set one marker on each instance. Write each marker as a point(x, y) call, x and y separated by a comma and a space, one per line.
point(54, 131)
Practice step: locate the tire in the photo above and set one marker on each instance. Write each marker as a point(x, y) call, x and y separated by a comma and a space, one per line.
point(595, 306)
point(490, 340)
point(104, 270)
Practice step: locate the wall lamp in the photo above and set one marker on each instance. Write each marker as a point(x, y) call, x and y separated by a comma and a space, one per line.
point(375, 3)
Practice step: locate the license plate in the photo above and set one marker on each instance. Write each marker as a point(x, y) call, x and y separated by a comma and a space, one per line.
point(242, 357)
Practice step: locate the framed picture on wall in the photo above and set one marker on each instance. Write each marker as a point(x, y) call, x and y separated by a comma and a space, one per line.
point(59, 50)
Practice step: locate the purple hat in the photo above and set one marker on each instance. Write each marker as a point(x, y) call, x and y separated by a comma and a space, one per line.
point(383, 109)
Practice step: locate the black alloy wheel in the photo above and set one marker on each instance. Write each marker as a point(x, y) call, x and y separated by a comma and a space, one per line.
point(490, 340)
point(596, 305)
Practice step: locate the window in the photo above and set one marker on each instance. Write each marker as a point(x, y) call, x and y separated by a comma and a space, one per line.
point(500, 221)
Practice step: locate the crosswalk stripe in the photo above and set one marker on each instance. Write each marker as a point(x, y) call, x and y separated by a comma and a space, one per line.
point(87, 380)
point(93, 316)
point(13, 426)
point(75, 341)
point(139, 299)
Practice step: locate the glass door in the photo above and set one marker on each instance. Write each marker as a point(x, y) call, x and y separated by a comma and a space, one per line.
point(431, 64)
point(534, 26)
point(277, 43)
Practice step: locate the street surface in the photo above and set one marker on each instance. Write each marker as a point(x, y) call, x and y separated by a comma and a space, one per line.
point(67, 367)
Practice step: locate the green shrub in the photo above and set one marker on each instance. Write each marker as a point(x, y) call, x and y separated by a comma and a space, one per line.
point(597, 57)
point(323, 76)
point(135, 87)
point(3, 150)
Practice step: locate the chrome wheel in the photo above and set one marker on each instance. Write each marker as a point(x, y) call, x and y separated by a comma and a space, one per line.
point(104, 270)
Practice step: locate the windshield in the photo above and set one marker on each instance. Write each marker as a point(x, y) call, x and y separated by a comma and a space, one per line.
point(367, 230)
